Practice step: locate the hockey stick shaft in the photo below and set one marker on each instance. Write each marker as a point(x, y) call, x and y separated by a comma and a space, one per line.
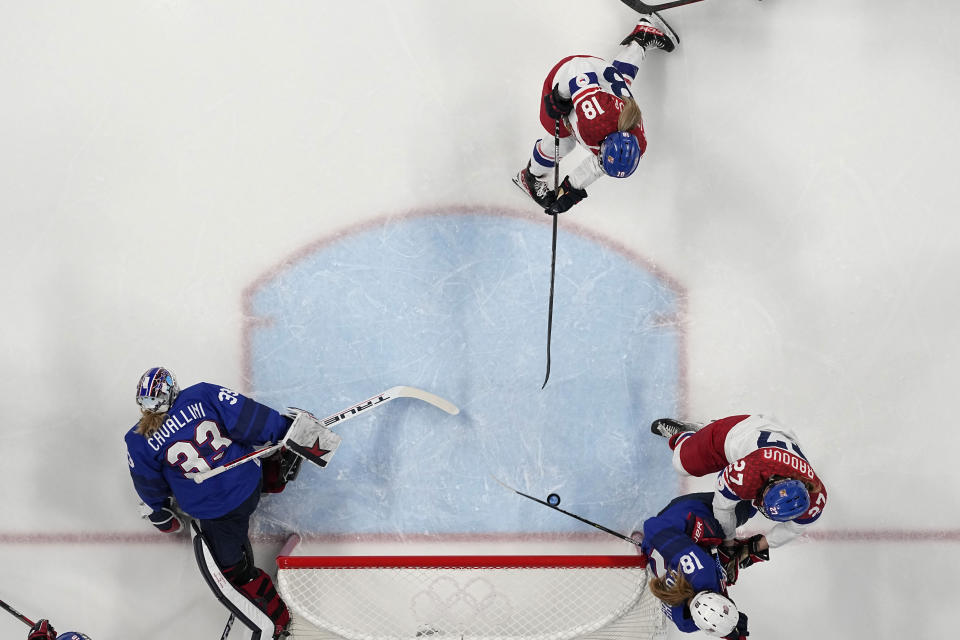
point(643, 7)
point(336, 418)
point(16, 614)
point(553, 249)
point(572, 515)
point(226, 629)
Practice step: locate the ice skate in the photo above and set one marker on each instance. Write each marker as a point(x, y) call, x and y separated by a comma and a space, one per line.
point(534, 187)
point(653, 32)
point(668, 427)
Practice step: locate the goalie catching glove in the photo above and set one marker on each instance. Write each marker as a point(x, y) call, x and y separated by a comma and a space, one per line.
point(309, 439)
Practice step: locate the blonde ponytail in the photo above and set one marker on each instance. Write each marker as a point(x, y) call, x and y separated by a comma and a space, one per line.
point(630, 116)
point(672, 589)
point(150, 423)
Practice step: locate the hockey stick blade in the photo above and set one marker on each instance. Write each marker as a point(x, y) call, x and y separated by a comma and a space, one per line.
point(426, 396)
point(643, 7)
point(329, 422)
point(572, 515)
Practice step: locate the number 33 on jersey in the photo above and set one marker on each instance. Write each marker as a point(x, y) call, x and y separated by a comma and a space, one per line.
point(207, 426)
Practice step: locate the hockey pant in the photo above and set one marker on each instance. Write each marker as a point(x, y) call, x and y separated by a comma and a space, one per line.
point(702, 452)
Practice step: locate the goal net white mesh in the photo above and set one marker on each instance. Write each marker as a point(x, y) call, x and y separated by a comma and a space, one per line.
point(470, 597)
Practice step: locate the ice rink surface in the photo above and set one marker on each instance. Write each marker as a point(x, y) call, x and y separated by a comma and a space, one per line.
point(310, 202)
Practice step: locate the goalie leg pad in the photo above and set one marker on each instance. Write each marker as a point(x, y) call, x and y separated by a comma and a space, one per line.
point(224, 584)
point(311, 440)
point(260, 591)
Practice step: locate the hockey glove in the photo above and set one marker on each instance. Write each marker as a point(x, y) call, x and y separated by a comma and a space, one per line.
point(273, 481)
point(556, 105)
point(701, 532)
point(567, 196)
point(42, 630)
point(749, 552)
point(740, 631)
point(289, 465)
point(165, 519)
point(729, 560)
point(279, 469)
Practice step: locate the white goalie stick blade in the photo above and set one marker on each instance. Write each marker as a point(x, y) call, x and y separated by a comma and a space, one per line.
point(426, 396)
point(341, 416)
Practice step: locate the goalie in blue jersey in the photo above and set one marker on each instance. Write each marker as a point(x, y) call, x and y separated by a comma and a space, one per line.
point(682, 545)
point(190, 431)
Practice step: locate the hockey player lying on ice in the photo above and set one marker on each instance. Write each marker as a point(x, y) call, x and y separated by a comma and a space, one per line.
point(682, 548)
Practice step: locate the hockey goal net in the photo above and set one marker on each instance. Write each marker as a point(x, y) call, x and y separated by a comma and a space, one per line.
point(477, 597)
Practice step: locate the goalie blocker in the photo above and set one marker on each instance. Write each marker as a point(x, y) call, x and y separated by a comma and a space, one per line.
point(309, 439)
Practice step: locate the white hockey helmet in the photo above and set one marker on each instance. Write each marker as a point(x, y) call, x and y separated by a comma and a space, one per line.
point(714, 614)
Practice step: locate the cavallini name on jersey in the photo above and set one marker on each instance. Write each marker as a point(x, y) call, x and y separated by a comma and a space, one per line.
point(174, 422)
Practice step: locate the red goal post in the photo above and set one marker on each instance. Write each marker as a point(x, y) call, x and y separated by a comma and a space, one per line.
point(480, 597)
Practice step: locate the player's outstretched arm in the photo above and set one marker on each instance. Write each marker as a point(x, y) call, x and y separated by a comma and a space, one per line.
point(783, 532)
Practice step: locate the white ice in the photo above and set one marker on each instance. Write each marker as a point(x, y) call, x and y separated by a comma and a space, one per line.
point(158, 157)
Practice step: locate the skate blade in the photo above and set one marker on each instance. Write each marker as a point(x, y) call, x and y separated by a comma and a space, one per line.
point(519, 182)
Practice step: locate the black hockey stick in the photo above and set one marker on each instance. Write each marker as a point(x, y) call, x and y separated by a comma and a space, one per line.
point(16, 614)
point(553, 252)
point(643, 7)
point(572, 515)
point(226, 629)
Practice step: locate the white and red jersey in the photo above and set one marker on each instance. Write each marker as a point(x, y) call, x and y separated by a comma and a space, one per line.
point(748, 451)
point(597, 89)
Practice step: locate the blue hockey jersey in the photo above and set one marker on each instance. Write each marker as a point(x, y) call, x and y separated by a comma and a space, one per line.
point(669, 543)
point(207, 426)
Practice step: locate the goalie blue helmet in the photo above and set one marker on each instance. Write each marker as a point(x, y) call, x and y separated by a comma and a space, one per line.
point(619, 154)
point(73, 635)
point(156, 390)
point(784, 500)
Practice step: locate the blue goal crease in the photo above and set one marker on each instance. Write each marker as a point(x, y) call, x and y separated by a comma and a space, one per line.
point(457, 305)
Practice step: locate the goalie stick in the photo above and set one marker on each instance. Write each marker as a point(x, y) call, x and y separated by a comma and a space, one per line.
point(336, 418)
point(572, 515)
